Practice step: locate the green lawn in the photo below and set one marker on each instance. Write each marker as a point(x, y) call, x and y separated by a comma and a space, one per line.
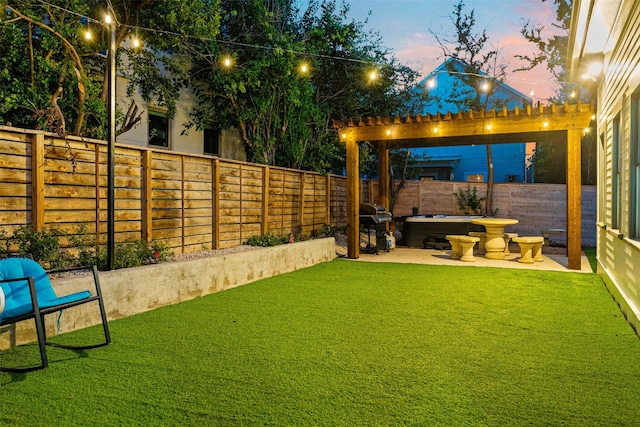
point(354, 344)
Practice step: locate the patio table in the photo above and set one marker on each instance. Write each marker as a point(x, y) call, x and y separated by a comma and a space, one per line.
point(494, 227)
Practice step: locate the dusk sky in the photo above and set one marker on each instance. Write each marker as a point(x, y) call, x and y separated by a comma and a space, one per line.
point(405, 27)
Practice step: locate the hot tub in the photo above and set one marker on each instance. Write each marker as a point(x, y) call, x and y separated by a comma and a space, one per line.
point(429, 231)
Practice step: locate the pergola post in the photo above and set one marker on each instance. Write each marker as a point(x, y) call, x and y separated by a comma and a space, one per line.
point(574, 200)
point(353, 198)
point(383, 174)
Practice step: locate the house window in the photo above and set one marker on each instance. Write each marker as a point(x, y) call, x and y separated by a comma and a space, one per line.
point(158, 129)
point(634, 156)
point(475, 177)
point(211, 141)
point(615, 173)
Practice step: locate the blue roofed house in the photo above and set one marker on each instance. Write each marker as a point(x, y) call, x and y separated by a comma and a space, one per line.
point(469, 162)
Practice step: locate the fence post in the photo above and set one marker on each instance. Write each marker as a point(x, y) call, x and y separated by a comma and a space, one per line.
point(327, 199)
point(240, 196)
point(265, 201)
point(146, 205)
point(303, 178)
point(37, 181)
point(182, 219)
point(96, 150)
point(215, 204)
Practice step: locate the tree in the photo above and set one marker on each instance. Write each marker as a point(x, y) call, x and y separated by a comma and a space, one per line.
point(62, 84)
point(403, 165)
point(552, 53)
point(284, 115)
point(479, 70)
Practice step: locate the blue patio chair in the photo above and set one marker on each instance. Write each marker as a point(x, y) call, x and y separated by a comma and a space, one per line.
point(26, 293)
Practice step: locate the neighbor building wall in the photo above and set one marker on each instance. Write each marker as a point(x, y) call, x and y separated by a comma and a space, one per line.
point(181, 139)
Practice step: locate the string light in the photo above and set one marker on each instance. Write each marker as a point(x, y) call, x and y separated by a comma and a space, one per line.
point(373, 75)
point(430, 82)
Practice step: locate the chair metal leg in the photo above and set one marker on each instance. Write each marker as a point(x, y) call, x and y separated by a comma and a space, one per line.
point(42, 338)
point(103, 316)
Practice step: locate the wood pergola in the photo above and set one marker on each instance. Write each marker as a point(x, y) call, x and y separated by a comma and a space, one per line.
point(561, 123)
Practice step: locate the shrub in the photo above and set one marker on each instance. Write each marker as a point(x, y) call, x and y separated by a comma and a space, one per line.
point(268, 240)
point(331, 231)
point(4, 244)
point(468, 200)
point(42, 245)
point(126, 254)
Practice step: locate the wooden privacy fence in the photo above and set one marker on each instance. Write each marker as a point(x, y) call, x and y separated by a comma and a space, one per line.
point(198, 202)
point(195, 202)
point(536, 206)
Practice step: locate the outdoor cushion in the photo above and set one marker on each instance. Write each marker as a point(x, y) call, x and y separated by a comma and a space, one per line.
point(17, 299)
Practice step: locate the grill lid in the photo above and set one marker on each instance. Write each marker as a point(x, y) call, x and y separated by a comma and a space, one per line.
point(371, 209)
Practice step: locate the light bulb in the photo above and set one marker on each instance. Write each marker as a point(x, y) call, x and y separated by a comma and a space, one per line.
point(136, 42)
point(595, 68)
point(87, 35)
point(107, 19)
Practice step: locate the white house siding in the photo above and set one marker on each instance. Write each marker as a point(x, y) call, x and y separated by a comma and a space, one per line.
point(618, 254)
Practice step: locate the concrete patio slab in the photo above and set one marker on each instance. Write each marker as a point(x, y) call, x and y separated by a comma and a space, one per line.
point(552, 262)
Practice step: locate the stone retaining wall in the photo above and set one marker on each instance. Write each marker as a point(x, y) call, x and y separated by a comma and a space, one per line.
point(135, 290)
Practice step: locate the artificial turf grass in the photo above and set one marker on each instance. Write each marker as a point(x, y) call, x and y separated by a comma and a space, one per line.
point(353, 343)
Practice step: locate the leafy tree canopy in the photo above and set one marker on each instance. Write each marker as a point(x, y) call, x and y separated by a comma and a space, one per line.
point(53, 78)
point(283, 112)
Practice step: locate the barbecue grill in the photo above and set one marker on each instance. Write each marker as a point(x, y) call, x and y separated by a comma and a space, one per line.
point(374, 217)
